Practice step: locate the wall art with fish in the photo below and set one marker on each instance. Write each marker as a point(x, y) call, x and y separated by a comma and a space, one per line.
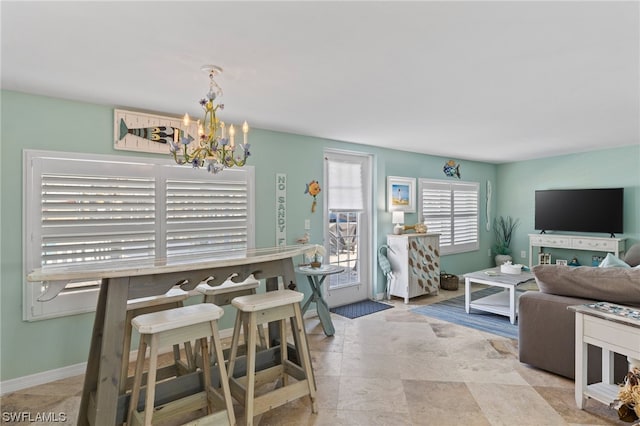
point(142, 132)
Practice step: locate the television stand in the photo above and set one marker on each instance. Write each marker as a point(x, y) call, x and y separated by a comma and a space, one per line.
point(576, 242)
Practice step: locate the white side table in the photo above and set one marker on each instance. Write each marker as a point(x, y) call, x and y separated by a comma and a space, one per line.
point(615, 329)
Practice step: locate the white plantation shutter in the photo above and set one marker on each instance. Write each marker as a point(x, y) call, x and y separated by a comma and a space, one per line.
point(451, 209)
point(344, 185)
point(84, 208)
point(465, 214)
point(89, 218)
point(205, 216)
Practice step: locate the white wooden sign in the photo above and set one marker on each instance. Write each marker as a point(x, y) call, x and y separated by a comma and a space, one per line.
point(138, 131)
point(281, 209)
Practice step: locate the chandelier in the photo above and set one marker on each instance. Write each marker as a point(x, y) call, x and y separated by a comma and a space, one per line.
point(213, 148)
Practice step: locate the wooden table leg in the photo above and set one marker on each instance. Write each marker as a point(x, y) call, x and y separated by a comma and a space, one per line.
point(581, 362)
point(321, 305)
point(512, 304)
point(105, 354)
point(467, 294)
point(93, 365)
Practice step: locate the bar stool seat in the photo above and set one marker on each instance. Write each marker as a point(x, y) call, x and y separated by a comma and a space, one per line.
point(174, 298)
point(169, 327)
point(257, 309)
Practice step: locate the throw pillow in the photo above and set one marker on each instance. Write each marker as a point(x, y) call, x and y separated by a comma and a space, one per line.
point(613, 262)
point(632, 257)
point(616, 285)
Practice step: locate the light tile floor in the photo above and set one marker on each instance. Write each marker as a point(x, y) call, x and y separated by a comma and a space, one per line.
point(397, 368)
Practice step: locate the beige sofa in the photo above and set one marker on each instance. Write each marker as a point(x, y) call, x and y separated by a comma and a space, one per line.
point(546, 326)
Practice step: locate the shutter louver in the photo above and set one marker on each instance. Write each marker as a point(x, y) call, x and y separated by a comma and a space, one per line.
point(437, 208)
point(451, 210)
point(92, 218)
point(465, 214)
point(205, 216)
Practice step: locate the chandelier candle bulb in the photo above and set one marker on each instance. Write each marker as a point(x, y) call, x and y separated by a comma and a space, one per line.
point(232, 135)
point(245, 130)
point(222, 129)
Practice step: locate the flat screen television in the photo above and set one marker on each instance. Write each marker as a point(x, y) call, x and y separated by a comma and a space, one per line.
point(579, 210)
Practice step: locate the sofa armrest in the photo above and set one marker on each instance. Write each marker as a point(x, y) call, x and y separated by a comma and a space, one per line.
point(547, 337)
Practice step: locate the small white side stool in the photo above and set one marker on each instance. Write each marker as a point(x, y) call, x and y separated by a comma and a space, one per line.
point(174, 298)
point(170, 327)
point(224, 293)
point(257, 309)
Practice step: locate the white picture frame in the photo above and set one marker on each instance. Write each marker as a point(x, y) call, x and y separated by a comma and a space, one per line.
point(401, 194)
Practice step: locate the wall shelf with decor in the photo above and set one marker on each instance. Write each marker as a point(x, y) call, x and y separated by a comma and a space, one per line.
point(575, 242)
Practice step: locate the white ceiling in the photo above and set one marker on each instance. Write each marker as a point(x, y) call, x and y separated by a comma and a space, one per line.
point(489, 81)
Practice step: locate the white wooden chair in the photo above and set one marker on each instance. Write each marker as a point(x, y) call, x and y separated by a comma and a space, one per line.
point(258, 309)
point(174, 298)
point(169, 327)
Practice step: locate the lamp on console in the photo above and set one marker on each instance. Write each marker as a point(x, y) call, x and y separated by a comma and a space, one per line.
point(398, 219)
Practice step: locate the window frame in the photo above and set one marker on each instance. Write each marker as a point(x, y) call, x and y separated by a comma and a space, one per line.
point(83, 298)
point(454, 217)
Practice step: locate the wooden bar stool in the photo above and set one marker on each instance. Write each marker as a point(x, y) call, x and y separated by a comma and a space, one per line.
point(170, 327)
point(224, 293)
point(174, 298)
point(255, 310)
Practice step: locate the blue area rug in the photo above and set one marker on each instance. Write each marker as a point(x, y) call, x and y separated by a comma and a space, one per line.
point(452, 310)
point(360, 309)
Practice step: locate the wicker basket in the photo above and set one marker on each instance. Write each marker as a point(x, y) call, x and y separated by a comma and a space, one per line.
point(448, 281)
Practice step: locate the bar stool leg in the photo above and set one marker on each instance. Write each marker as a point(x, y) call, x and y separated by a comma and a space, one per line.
point(305, 356)
point(234, 343)
point(137, 379)
point(283, 350)
point(251, 369)
point(224, 382)
point(151, 381)
point(206, 372)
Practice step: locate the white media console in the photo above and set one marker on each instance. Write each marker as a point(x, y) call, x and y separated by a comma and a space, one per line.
point(576, 242)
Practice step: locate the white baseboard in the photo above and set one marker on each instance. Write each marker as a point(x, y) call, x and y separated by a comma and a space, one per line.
point(19, 383)
point(24, 382)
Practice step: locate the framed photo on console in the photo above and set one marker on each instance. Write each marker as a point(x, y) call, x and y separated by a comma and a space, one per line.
point(544, 259)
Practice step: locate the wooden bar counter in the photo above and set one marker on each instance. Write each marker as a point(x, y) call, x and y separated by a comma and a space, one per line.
point(102, 403)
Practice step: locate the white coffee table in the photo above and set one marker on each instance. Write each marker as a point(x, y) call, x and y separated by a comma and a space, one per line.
point(502, 303)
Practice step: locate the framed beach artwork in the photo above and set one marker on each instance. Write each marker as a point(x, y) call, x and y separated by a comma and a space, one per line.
point(401, 194)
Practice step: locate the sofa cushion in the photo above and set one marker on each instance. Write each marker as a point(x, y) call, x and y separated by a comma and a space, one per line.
point(613, 262)
point(632, 257)
point(616, 285)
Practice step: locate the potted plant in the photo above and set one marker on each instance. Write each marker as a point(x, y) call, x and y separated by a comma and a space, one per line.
point(503, 227)
point(314, 255)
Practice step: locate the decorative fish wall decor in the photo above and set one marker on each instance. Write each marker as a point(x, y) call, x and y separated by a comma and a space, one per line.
point(160, 134)
point(452, 169)
point(313, 189)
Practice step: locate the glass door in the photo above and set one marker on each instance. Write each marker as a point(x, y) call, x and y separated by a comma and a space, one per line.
point(347, 226)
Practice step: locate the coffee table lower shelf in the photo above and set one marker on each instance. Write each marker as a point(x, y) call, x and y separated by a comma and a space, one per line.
point(496, 303)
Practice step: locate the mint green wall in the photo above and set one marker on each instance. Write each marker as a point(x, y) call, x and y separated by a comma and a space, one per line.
point(36, 122)
point(517, 182)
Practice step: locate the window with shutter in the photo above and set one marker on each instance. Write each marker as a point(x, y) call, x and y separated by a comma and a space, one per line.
point(452, 210)
point(83, 208)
